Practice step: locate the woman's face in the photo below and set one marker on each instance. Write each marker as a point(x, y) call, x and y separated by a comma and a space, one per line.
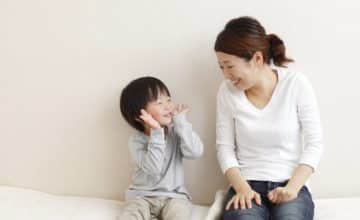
point(237, 70)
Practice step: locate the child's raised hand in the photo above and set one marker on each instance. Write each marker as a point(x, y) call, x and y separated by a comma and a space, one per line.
point(180, 108)
point(149, 120)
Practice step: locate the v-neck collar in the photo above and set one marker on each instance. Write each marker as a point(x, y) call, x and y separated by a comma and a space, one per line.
point(272, 98)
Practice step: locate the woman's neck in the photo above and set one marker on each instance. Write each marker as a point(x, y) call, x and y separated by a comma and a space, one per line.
point(266, 84)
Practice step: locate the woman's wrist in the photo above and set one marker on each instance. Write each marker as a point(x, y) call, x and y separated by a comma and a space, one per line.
point(236, 180)
point(242, 186)
point(300, 176)
point(295, 187)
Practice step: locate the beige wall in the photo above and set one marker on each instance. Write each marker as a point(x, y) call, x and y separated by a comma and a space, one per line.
point(64, 63)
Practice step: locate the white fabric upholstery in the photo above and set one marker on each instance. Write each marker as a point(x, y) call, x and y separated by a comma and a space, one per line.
point(20, 204)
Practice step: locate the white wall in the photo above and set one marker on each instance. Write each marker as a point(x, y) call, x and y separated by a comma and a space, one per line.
point(63, 65)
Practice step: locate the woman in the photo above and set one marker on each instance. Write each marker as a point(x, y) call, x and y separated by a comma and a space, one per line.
point(269, 137)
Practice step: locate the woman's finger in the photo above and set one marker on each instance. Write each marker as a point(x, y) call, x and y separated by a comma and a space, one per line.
point(228, 205)
point(248, 202)
point(242, 203)
point(275, 196)
point(258, 198)
point(271, 195)
point(236, 202)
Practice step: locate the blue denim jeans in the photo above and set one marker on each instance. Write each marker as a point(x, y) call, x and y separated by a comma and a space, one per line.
point(301, 208)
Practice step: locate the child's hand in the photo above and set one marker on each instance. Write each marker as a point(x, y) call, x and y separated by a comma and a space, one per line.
point(149, 120)
point(180, 108)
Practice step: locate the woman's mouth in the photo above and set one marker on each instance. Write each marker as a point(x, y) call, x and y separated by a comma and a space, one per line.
point(235, 82)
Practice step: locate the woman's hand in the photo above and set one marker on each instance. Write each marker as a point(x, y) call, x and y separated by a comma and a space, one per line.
point(149, 120)
point(244, 199)
point(180, 108)
point(282, 194)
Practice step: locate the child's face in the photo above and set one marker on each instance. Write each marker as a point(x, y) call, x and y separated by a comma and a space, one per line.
point(161, 109)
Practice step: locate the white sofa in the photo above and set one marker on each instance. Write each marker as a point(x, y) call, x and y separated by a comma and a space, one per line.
point(24, 204)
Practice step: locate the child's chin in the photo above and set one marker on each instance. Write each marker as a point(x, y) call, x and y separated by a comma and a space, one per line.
point(166, 122)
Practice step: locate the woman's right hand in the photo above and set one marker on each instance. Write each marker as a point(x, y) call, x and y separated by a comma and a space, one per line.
point(244, 199)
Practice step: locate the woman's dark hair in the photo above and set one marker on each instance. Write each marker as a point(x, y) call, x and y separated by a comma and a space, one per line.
point(136, 95)
point(244, 36)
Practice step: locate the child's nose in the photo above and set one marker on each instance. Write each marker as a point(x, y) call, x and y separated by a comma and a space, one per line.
point(170, 106)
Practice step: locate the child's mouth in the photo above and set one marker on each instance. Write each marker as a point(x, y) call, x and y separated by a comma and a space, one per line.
point(167, 115)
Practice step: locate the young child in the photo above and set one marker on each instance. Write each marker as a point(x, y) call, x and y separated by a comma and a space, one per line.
point(164, 137)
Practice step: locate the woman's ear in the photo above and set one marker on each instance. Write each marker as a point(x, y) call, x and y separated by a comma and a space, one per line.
point(258, 58)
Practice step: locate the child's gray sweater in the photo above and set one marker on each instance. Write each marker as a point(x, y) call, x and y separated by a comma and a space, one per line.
point(159, 168)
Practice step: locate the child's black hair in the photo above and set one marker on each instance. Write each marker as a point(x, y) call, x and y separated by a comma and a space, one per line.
point(136, 95)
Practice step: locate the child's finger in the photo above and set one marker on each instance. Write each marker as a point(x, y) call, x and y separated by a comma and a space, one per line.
point(176, 109)
point(186, 108)
point(139, 119)
point(142, 117)
point(143, 112)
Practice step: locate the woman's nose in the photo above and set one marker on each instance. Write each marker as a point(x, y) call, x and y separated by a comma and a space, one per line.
point(228, 75)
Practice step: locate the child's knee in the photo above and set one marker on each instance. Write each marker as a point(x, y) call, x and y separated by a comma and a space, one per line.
point(137, 209)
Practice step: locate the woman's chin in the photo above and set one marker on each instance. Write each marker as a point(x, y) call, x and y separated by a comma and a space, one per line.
point(241, 86)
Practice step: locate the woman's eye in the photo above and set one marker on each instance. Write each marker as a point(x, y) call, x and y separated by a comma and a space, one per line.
point(230, 67)
point(221, 67)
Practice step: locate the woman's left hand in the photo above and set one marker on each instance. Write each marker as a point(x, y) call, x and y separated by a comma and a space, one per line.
point(282, 194)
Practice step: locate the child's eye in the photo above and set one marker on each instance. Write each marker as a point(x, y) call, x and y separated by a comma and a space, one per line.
point(230, 67)
point(221, 67)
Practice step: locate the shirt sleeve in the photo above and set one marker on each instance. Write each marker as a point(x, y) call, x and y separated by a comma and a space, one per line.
point(309, 118)
point(225, 132)
point(149, 154)
point(190, 144)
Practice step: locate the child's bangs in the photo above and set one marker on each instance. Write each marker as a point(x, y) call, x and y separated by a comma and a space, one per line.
point(155, 90)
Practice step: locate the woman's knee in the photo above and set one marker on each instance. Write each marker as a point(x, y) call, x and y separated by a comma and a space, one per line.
point(257, 212)
point(301, 208)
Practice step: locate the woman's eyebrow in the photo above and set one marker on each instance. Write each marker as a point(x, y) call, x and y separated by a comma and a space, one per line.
point(225, 61)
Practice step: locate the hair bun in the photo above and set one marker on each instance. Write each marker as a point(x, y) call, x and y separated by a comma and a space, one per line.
point(277, 50)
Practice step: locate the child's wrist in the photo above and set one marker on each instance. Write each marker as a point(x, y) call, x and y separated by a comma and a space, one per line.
point(179, 118)
point(155, 127)
point(157, 133)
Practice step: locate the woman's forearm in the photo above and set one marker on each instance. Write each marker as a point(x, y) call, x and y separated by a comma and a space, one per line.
point(236, 180)
point(300, 176)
